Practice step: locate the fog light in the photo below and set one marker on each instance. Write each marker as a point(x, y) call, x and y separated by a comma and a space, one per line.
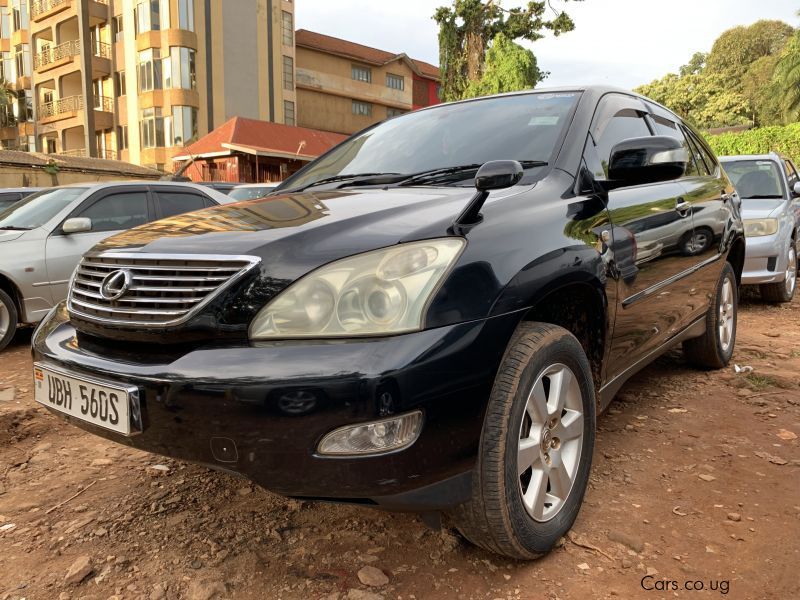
point(375, 437)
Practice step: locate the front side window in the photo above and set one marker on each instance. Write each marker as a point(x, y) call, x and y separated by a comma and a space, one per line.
point(288, 73)
point(149, 70)
point(184, 125)
point(37, 209)
point(288, 112)
point(118, 211)
point(621, 124)
point(287, 28)
point(360, 73)
point(755, 178)
point(524, 127)
point(396, 82)
point(186, 14)
point(670, 128)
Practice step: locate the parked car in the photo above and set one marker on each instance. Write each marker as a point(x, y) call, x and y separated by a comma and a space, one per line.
point(10, 196)
point(43, 237)
point(428, 317)
point(769, 189)
point(223, 187)
point(252, 191)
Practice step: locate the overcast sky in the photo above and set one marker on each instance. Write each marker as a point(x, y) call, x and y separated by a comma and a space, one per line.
point(618, 42)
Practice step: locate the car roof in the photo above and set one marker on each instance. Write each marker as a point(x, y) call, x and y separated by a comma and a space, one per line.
point(732, 157)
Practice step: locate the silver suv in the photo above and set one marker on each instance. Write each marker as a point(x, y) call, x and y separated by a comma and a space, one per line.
point(43, 236)
point(769, 189)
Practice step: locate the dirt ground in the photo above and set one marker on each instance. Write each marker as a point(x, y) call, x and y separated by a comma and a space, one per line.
point(696, 479)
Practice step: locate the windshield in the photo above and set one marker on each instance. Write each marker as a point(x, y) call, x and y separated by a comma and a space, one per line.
point(755, 178)
point(250, 193)
point(36, 210)
point(523, 127)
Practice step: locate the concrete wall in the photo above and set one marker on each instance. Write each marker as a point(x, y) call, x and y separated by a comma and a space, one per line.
point(13, 176)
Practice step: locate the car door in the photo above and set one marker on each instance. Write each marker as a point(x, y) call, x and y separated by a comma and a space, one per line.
point(792, 179)
point(170, 201)
point(646, 223)
point(111, 211)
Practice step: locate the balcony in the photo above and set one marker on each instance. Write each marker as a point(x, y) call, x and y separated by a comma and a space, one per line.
point(44, 8)
point(56, 56)
point(63, 108)
point(82, 153)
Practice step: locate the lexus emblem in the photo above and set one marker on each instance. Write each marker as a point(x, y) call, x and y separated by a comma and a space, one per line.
point(115, 284)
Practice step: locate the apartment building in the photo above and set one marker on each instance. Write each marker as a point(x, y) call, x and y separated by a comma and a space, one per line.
point(343, 86)
point(138, 80)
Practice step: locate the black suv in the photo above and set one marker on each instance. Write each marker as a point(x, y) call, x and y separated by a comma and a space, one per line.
point(429, 317)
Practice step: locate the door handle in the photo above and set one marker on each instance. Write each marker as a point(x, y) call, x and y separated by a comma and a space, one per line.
point(683, 207)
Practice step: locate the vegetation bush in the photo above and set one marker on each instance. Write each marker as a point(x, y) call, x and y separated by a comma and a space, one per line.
point(781, 139)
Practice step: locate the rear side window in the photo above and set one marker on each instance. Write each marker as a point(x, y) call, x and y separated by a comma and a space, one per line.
point(176, 203)
point(118, 211)
point(670, 128)
point(706, 156)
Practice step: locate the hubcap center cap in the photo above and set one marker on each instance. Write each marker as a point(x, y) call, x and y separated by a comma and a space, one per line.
point(547, 440)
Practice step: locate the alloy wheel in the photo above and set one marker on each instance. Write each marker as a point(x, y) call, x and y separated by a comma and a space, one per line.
point(791, 272)
point(550, 441)
point(727, 313)
point(5, 319)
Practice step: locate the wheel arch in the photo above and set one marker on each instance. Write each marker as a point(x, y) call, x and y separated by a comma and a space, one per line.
point(736, 258)
point(9, 287)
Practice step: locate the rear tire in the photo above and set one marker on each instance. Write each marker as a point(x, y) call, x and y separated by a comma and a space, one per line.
point(8, 319)
point(536, 446)
point(713, 349)
point(783, 291)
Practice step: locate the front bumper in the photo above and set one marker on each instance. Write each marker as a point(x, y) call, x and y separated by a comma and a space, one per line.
point(260, 409)
point(765, 259)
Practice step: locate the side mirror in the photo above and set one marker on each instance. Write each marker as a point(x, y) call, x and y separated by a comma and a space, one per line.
point(498, 175)
point(646, 160)
point(796, 190)
point(77, 225)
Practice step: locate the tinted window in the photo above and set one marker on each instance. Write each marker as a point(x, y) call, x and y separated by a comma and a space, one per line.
point(624, 124)
point(118, 211)
point(791, 173)
point(671, 129)
point(523, 127)
point(250, 193)
point(8, 199)
point(175, 203)
point(36, 210)
point(755, 178)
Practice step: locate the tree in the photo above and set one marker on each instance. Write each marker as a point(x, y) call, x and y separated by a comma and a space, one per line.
point(509, 67)
point(468, 26)
point(736, 49)
point(786, 79)
point(695, 64)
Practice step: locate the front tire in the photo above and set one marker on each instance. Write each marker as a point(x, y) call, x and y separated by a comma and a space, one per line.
point(536, 446)
point(8, 319)
point(783, 291)
point(714, 349)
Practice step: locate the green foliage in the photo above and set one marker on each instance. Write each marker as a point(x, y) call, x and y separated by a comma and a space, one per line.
point(783, 140)
point(735, 83)
point(509, 67)
point(468, 26)
point(786, 79)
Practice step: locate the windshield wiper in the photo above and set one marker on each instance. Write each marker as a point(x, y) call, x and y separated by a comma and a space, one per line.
point(436, 175)
point(346, 177)
point(14, 228)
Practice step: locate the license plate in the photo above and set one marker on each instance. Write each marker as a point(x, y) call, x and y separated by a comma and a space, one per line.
point(98, 402)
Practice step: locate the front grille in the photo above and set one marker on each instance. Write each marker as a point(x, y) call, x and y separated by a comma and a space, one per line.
point(159, 290)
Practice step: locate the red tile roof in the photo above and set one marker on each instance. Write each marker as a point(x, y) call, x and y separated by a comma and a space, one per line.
point(340, 47)
point(266, 137)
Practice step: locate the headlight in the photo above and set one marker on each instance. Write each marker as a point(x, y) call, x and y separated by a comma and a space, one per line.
point(379, 292)
point(759, 227)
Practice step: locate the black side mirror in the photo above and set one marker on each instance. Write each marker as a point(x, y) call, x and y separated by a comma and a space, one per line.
point(498, 175)
point(646, 160)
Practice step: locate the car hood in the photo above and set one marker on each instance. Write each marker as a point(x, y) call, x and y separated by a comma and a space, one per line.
point(294, 233)
point(761, 208)
point(8, 236)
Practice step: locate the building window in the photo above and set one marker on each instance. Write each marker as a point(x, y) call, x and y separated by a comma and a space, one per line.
point(122, 137)
point(152, 124)
point(184, 125)
point(19, 9)
point(7, 67)
point(149, 70)
point(22, 56)
point(186, 14)
point(287, 27)
point(288, 73)
point(361, 73)
point(396, 82)
point(164, 11)
point(117, 29)
point(394, 112)
point(5, 22)
point(288, 112)
point(27, 143)
point(363, 109)
point(120, 83)
point(147, 16)
point(179, 69)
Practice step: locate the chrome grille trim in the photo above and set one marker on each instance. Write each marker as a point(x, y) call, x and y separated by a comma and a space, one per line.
point(166, 289)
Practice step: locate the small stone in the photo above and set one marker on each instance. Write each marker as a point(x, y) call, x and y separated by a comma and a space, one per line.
point(101, 462)
point(159, 591)
point(196, 564)
point(584, 567)
point(372, 576)
point(651, 571)
point(64, 596)
point(787, 435)
point(706, 477)
point(734, 516)
point(202, 589)
point(626, 563)
point(79, 570)
point(355, 594)
point(7, 395)
point(244, 491)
